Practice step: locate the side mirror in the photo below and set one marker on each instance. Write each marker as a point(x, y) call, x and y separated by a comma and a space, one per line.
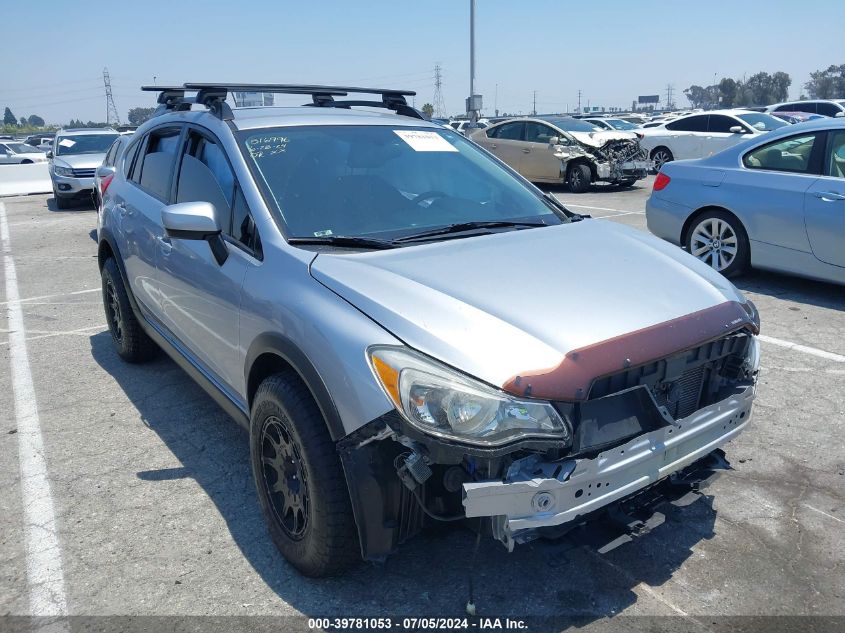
point(839, 114)
point(104, 171)
point(737, 129)
point(554, 141)
point(195, 221)
point(49, 153)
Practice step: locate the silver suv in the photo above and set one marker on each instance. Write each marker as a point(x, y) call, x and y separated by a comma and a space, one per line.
point(76, 153)
point(410, 331)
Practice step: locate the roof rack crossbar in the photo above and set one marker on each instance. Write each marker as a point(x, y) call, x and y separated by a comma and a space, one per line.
point(213, 96)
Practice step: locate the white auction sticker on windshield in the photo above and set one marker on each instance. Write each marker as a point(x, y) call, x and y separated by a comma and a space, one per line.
point(422, 141)
point(66, 142)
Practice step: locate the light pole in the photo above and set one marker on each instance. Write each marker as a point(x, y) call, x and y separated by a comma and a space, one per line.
point(474, 100)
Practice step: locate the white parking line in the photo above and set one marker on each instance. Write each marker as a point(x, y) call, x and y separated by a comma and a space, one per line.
point(837, 358)
point(829, 516)
point(584, 206)
point(60, 294)
point(43, 555)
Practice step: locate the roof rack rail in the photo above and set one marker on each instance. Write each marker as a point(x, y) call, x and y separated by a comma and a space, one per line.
point(213, 96)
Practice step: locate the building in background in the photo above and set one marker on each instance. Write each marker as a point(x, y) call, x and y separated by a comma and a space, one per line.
point(252, 99)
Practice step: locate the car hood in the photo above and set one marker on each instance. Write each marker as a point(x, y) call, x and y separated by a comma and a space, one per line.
point(81, 161)
point(597, 139)
point(521, 302)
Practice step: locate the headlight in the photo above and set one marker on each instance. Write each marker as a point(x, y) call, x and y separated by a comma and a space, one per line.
point(752, 357)
point(440, 401)
point(62, 171)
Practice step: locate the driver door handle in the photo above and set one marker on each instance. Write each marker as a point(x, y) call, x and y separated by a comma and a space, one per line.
point(829, 196)
point(493, 146)
point(525, 150)
point(164, 244)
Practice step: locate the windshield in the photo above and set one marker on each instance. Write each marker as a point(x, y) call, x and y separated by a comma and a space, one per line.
point(385, 182)
point(762, 122)
point(23, 148)
point(574, 125)
point(619, 124)
point(84, 144)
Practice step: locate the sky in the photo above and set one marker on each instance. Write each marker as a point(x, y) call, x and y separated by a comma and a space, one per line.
point(51, 62)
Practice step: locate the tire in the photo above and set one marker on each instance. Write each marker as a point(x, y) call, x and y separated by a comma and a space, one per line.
point(660, 156)
point(719, 240)
point(629, 182)
point(62, 203)
point(131, 342)
point(310, 517)
point(579, 178)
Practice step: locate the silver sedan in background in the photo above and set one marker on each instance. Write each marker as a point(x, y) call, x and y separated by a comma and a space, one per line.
point(774, 202)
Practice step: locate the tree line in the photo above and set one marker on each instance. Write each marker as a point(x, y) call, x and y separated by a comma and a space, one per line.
point(763, 89)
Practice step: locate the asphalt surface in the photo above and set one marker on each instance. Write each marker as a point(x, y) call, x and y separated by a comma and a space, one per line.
point(156, 513)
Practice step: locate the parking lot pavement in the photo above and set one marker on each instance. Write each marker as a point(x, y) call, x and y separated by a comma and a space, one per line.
point(156, 512)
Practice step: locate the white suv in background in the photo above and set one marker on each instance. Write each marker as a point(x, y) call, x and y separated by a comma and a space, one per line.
point(825, 107)
point(75, 155)
point(705, 133)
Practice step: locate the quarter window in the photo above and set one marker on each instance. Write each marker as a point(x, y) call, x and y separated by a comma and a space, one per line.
point(791, 154)
point(156, 165)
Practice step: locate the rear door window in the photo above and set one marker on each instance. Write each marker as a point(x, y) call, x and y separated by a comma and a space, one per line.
point(689, 124)
point(509, 131)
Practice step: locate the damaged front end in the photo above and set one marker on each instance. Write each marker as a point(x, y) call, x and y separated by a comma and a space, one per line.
point(640, 437)
point(613, 161)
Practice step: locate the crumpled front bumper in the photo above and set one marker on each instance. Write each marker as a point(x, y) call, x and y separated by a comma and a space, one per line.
point(572, 489)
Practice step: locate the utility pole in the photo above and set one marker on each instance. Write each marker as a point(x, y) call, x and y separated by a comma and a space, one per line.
point(579, 102)
point(496, 100)
point(670, 89)
point(473, 101)
point(111, 110)
point(439, 106)
point(534, 111)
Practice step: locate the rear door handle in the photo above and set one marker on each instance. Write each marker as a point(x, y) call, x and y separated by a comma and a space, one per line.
point(525, 150)
point(493, 146)
point(165, 245)
point(829, 196)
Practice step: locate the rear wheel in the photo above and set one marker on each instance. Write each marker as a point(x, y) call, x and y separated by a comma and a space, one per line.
point(660, 156)
point(628, 182)
point(301, 486)
point(131, 342)
point(719, 240)
point(579, 178)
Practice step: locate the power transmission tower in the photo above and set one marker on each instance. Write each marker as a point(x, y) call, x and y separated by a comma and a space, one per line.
point(670, 104)
point(439, 106)
point(111, 110)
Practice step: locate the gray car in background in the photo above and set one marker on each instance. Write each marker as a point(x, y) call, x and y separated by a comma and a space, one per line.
point(75, 155)
point(776, 201)
point(410, 331)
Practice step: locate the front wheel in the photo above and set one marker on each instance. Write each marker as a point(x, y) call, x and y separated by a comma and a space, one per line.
point(301, 486)
point(719, 240)
point(579, 178)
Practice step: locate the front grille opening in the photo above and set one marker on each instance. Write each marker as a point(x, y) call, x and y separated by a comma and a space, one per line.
point(686, 382)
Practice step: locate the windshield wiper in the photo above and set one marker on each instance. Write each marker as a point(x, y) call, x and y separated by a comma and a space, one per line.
point(462, 227)
point(571, 215)
point(349, 241)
